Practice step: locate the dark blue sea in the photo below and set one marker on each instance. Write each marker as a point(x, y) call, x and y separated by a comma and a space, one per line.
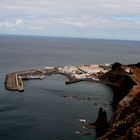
point(42, 112)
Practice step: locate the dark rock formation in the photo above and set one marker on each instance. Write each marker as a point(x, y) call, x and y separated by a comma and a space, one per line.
point(116, 66)
point(101, 124)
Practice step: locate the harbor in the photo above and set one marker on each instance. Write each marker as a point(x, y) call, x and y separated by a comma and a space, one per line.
point(124, 78)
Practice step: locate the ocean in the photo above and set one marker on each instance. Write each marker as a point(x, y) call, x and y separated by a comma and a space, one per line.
point(46, 109)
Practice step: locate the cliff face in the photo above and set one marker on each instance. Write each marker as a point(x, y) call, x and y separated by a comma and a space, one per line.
point(125, 123)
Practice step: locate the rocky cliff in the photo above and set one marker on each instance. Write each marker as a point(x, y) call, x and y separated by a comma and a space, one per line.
point(125, 122)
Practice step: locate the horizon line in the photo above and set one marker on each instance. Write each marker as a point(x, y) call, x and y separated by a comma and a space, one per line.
point(70, 37)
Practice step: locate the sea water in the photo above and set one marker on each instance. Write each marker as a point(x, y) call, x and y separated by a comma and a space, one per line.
point(48, 109)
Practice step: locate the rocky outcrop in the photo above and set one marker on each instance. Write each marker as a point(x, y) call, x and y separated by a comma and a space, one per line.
point(101, 124)
point(116, 66)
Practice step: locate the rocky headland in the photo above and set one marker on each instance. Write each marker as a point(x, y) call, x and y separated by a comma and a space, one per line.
point(123, 79)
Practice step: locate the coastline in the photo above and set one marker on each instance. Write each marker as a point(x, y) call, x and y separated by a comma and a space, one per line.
point(123, 77)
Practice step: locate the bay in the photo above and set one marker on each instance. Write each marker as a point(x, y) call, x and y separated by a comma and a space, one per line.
point(42, 111)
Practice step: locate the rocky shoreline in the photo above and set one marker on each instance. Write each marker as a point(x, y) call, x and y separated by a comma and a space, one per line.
point(123, 79)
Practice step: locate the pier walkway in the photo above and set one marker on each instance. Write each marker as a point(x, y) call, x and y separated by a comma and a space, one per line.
point(12, 82)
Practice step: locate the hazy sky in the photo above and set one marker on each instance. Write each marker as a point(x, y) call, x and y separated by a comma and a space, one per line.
point(117, 19)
